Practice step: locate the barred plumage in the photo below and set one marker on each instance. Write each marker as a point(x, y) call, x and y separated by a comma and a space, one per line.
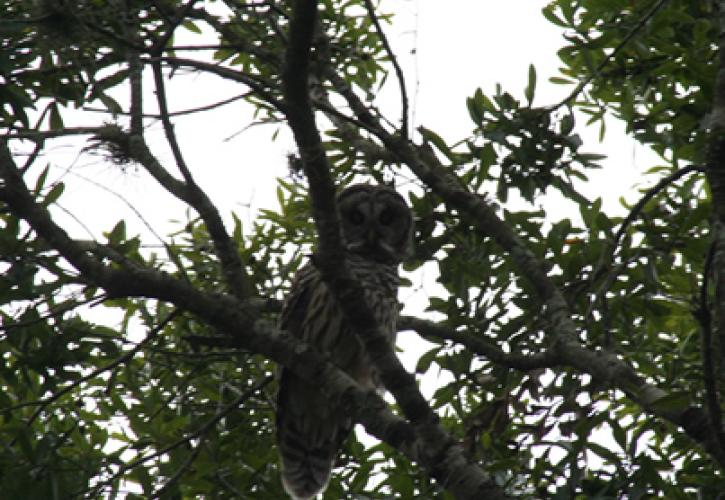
point(377, 228)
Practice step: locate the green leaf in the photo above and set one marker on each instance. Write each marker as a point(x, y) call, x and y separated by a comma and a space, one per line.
point(191, 26)
point(53, 194)
point(117, 234)
point(426, 359)
point(531, 85)
point(56, 122)
point(673, 402)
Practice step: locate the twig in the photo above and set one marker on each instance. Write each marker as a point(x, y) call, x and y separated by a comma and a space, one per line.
point(52, 313)
point(479, 345)
point(396, 66)
point(649, 194)
point(221, 413)
point(182, 112)
point(41, 135)
point(44, 403)
point(231, 263)
point(610, 249)
point(648, 15)
point(130, 205)
point(223, 72)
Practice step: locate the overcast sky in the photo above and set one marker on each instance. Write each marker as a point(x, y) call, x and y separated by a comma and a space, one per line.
point(446, 53)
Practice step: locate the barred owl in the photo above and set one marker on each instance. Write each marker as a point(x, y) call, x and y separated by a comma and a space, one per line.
point(377, 228)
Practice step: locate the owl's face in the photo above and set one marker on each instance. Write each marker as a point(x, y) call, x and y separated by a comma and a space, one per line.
point(376, 223)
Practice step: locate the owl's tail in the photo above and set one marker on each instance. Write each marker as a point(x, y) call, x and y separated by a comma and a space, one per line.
point(309, 434)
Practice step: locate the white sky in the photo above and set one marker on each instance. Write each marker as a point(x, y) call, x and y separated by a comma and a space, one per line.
point(459, 47)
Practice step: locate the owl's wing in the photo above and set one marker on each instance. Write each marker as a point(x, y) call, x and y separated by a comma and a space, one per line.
point(309, 430)
point(295, 304)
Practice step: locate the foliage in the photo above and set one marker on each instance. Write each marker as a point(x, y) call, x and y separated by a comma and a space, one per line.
point(160, 402)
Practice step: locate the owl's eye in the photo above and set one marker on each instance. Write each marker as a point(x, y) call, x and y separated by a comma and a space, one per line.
point(356, 217)
point(386, 217)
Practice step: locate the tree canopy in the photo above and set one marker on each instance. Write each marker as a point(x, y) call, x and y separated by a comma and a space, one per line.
point(580, 356)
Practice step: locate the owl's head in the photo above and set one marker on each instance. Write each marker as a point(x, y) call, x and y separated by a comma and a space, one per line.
point(376, 223)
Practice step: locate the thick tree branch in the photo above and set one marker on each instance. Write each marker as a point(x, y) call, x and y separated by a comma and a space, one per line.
point(442, 457)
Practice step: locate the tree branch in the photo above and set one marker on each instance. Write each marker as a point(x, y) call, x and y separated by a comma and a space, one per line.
point(479, 345)
point(404, 132)
point(135, 147)
point(226, 73)
point(442, 457)
point(635, 29)
point(189, 111)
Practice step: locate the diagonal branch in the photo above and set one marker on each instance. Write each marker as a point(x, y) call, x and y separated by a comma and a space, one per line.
point(442, 457)
point(168, 127)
